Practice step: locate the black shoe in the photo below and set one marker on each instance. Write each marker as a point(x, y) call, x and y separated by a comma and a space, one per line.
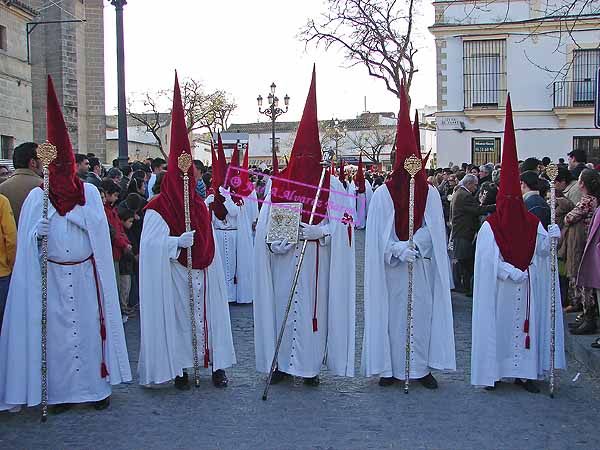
point(183, 383)
point(314, 381)
point(102, 404)
point(586, 327)
point(60, 408)
point(596, 344)
point(219, 378)
point(279, 376)
point(386, 381)
point(528, 385)
point(428, 381)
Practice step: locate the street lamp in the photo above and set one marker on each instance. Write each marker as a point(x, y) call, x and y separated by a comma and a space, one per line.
point(122, 102)
point(273, 111)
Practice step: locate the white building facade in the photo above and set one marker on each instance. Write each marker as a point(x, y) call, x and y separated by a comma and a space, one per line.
point(487, 49)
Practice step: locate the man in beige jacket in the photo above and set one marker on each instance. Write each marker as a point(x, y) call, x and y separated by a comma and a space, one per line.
point(27, 176)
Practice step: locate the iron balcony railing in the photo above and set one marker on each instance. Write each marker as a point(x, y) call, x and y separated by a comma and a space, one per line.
point(575, 94)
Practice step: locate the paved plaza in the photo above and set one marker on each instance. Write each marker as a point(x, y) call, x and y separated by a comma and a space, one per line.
point(340, 414)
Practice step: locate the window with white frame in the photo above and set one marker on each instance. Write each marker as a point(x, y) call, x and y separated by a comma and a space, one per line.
point(484, 69)
point(585, 69)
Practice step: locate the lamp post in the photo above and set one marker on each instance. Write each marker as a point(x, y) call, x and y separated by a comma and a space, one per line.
point(122, 102)
point(273, 112)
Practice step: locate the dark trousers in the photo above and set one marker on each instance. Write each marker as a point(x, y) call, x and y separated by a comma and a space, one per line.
point(4, 284)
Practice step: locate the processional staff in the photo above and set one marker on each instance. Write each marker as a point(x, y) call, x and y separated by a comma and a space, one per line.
point(46, 153)
point(412, 165)
point(184, 162)
point(552, 172)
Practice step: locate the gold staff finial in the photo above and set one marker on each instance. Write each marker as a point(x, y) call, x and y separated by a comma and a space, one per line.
point(184, 162)
point(412, 165)
point(552, 171)
point(46, 153)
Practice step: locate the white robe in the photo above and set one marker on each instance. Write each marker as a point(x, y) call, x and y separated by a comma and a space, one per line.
point(499, 308)
point(304, 351)
point(386, 295)
point(166, 330)
point(363, 200)
point(74, 345)
point(235, 240)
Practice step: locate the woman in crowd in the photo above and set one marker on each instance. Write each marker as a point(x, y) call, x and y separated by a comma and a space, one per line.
point(577, 223)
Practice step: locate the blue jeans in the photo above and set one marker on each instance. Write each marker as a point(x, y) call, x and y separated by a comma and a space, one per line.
point(4, 283)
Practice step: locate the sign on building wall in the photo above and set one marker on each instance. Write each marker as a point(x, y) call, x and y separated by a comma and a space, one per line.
point(485, 150)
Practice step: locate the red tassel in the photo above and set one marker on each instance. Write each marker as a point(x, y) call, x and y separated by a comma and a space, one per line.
point(206, 358)
point(103, 332)
point(235, 279)
point(527, 342)
point(103, 370)
point(315, 327)
point(350, 235)
point(526, 326)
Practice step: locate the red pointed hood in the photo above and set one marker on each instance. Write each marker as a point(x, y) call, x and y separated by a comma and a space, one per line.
point(342, 174)
point(417, 131)
point(221, 161)
point(214, 163)
point(304, 170)
point(399, 184)
point(170, 204)
point(66, 189)
point(246, 187)
point(515, 228)
point(359, 180)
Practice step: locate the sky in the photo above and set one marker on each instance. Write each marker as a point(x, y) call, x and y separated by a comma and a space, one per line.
point(242, 47)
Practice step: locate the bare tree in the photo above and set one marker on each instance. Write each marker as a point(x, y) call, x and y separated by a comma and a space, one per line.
point(333, 134)
point(373, 141)
point(203, 110)
point(151, 117)
point(375, 33)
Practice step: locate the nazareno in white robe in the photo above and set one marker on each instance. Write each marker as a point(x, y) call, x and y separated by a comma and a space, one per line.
point(166, 330)
point(74, 345)
point(386, 294)
point(304, 351)
point(363, 200)
point(235, 240)
point(499, 308)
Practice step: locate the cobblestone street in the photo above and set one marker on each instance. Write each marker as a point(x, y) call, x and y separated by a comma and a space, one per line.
point(339, 414)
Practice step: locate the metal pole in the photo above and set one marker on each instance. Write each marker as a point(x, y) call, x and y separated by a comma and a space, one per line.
point(122, 101)
point(273, 119)
point(552, 172)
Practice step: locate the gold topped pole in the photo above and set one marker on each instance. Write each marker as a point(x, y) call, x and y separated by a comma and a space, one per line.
point(552, 172)
point(412, 165)
point(46, 153)
point(184, 162)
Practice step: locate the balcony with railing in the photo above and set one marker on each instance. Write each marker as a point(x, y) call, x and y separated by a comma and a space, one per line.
point(575, 94)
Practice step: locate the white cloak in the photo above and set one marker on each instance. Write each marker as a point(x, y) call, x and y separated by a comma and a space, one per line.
point(363, 200)
point(304, 351)
point(166, 331)
point(386, 294)
point(233, 237)
point(74, 345)
point(499, 308)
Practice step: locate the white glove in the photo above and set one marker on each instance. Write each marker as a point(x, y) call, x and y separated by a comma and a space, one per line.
point(554, 231)
point(232, 208)
point(311, 232)
point(281, 247)
point(408, 255)
point(43, 228)
point(186, 240)
point(224, 191)
point(518, 276)
point(397, 248)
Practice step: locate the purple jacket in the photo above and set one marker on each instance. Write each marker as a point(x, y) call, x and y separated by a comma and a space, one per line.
point(589, 269)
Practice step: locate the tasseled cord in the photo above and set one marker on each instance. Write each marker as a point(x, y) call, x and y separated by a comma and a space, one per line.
point(314, 321)
point(205, 324)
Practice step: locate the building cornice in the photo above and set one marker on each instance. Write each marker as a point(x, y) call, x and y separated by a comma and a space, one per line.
point(19, 8)
point(531, 26)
